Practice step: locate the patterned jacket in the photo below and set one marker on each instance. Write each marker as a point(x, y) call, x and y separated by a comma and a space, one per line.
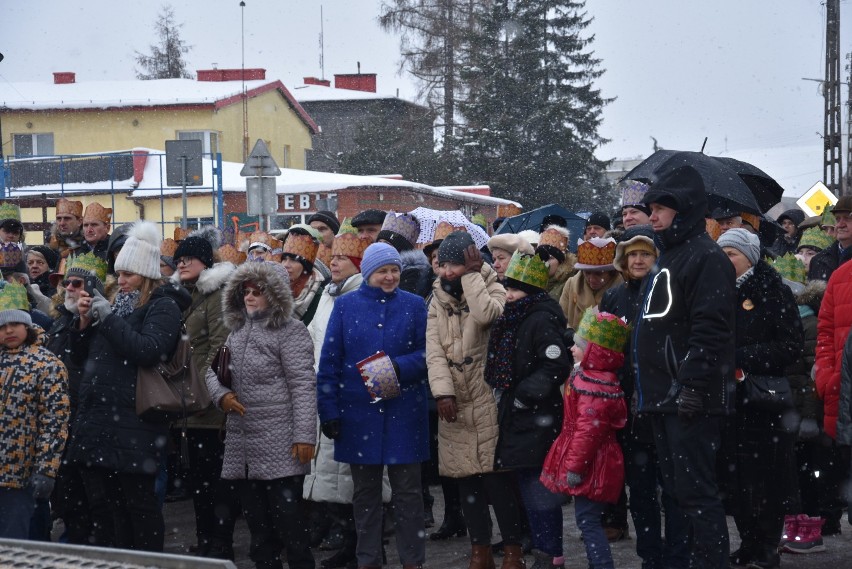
point(34, 413)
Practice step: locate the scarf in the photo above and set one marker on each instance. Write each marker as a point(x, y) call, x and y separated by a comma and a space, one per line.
point(336, 289)
point(501, 344)
point(307, 288)
point(125, 303)
point(744, 277)
point(453, 288)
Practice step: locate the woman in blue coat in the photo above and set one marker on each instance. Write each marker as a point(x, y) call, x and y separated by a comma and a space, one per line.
point(392, 432)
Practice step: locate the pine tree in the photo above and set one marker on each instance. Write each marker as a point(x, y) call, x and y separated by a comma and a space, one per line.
point(533, 114)
point(166, 60)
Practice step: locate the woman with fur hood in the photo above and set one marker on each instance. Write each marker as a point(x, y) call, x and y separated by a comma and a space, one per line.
point(204, 278)
point(271, 408)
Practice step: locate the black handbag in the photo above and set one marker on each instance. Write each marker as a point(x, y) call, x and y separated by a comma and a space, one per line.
point(767, 393)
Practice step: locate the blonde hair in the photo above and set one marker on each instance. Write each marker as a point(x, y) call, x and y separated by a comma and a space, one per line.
point(145, 289)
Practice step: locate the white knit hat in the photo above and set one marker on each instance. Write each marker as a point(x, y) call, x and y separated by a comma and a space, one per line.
point(141, 251)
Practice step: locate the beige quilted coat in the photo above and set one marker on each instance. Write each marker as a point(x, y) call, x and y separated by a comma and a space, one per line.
point(456, 348)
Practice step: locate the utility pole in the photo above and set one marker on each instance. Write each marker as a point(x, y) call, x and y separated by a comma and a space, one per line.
point(847, 182)
point(832, 166)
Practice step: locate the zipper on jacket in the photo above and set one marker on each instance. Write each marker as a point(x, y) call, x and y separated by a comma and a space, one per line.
point(634, 351)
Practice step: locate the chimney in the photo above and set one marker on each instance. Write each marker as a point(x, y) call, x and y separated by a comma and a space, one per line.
point(317, 81)
point(219, 75)
point(356, 82)
point(64, 77)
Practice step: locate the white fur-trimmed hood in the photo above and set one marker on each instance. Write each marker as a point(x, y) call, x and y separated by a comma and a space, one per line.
point(210, 279)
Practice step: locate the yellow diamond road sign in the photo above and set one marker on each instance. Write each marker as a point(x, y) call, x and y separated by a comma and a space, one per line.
point(815, 200)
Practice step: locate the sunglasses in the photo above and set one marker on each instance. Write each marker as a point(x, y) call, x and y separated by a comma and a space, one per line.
point(72, 283)
point(251, 292)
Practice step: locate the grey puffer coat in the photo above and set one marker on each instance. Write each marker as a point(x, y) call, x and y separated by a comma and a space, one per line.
point(272, 365)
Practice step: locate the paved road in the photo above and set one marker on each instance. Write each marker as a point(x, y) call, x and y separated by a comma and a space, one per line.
point(453, 554)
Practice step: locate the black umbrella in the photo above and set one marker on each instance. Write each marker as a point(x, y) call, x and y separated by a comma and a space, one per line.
point(763, 187)
point(533, 219)
point(725, 188)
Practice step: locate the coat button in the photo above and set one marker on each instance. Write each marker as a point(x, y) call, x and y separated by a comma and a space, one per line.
point(380, 325)
point(382, 301)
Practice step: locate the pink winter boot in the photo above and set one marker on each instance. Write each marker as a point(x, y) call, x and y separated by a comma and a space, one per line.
point(809, 537)
point(791, 528)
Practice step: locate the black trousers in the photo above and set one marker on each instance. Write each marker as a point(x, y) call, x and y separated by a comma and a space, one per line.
point(72, 505)
point(214, 500)
point(276, 518)
point(475, 492)
point(124, 509)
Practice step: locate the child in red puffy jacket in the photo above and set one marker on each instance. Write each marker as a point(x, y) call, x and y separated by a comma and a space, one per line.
point(586, 460)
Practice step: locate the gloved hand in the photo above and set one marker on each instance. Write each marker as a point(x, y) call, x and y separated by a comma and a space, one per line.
point(574, 479)
point(808, 430)
point(230, 404)
point(100, 307)
point(472, 259)
point(519, 404)
point(447, 409)
point(690, 403)
point(303, 452)
point(331, 429)
point(42, 486)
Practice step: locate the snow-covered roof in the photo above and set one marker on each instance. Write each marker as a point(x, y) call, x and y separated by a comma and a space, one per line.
point(319, 93)
point(290, 181)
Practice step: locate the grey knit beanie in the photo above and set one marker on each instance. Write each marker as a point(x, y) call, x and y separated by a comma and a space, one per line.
point(743, 241)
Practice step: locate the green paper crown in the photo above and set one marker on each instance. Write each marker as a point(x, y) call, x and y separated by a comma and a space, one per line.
point(346, 227)
point(10, 211)
point(828, 218)
point(528, 269)
point(604, 329)
point(479, 220)
point(790, 268)
point(88, 262)
point(13, 296)
point(816, 238)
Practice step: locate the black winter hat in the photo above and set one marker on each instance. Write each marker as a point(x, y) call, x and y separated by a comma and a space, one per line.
point(369, 217)
point(195, 246)
point(328, 218)
point(453, 246)
point(599, 218)
point(795, 215)
point(50, 256)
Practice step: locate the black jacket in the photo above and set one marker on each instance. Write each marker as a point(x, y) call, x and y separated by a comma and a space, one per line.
point(416, 276)
point(107, 433)
point(540, 367)
point(826, 262)
point(682, 336)
point(59, 342)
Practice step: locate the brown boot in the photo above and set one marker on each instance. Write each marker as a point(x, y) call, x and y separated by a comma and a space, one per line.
point(481, 557)
point(513, 557)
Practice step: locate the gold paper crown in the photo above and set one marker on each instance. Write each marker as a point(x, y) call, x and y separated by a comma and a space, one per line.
point(67, 207)
point(168, 247)
point(714, 230)
point(751, 219)
point(9, 210)
point(604, 329)
point(97, 212)
point(815, 238)
point(791, 268)
point(180, 234)
point(595, 252)
point(444, 228)
point(13, 296)
point(302, 246)
point(348, 243)
point(229, 253)
point(88, 262)
point(554, 238)
point(324, 254)
point(528, 269)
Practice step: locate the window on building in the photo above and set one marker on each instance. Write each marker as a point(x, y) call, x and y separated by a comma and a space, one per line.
point(286, 162)
point(32, 144)
point(209, 139)
point(195, 222)
point(286, 221)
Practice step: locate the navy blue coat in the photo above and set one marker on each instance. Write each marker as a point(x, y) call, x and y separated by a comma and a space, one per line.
point(392, 431)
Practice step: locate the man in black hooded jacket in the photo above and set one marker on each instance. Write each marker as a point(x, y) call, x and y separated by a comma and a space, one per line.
point(683, 353)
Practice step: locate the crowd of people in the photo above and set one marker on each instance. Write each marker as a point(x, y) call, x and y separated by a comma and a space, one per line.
point(674, 363)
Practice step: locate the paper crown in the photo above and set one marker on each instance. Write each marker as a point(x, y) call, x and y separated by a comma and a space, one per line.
point(714, 230)
point(403, 224)
point(10, 210)
point(604, 329)
point(791, 268)
point(180, 234)
point(10, 256)
point(444, 228)
point(751, 219)
point(301, 246)
point(13, 296)
point(554, 238)
point(633, 192)
point(815, 238)
point(528, 269)
point(68, 207)
point(828, 218)
point(229, 253)
point(88, 262)
point(324, 254)
point(97, 212)
point(348, 243)
point(168, 247)
point(480, 220)
point(595, 254)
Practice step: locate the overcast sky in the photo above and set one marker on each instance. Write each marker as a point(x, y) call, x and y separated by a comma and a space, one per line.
point(730, 70)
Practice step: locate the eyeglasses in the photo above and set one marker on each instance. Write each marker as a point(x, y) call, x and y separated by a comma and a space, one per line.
point(251, 292)
point(184, 261)
point(72, 283)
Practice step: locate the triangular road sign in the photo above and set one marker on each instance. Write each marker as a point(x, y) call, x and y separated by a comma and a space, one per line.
point(260, 162)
